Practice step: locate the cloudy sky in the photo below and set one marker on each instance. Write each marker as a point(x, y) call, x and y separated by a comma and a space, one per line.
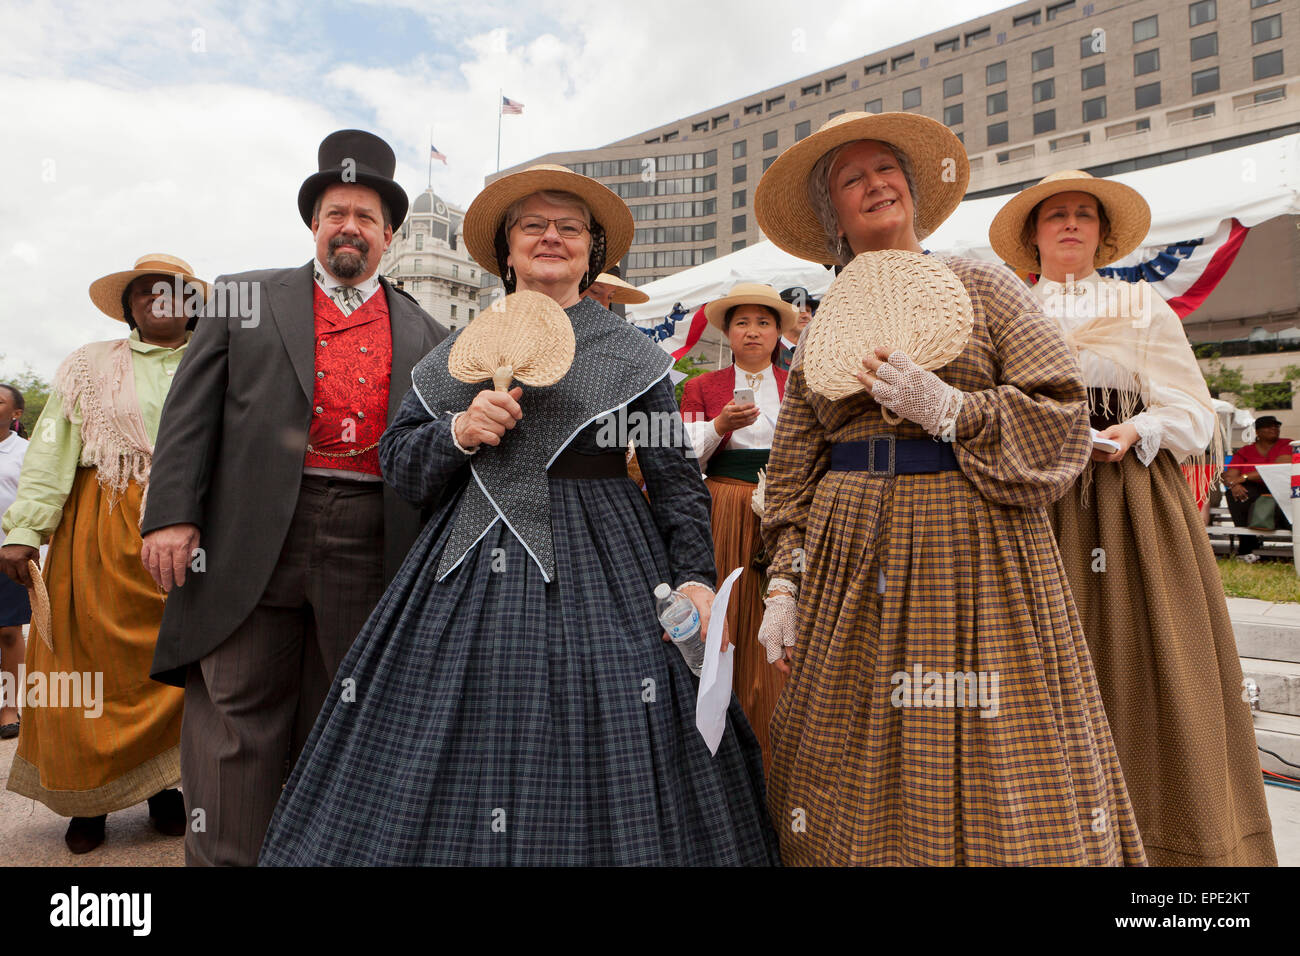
point(187, 128)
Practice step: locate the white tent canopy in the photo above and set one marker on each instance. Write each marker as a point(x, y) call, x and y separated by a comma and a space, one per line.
point(1188, 199)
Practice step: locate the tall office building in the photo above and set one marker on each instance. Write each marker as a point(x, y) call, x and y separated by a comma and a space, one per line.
point(429, 259)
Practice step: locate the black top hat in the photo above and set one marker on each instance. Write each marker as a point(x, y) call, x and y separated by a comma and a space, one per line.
point(798, 295)
point(355, 156)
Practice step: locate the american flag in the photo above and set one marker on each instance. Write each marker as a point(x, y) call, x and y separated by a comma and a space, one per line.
point(434, 154)
point(510, 108)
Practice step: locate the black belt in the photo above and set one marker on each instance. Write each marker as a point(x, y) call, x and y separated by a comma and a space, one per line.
point(574, 464)
point(1101, 415)
point(886, 455)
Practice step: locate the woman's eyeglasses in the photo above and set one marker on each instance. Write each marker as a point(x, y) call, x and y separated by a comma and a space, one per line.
point(536, 226)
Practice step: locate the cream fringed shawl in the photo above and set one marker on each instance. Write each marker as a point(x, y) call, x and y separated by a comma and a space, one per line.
point(1134, 329)
point(98, 381)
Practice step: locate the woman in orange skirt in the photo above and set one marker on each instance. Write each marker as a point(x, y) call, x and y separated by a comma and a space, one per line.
point(97, 734)
point(731, 416)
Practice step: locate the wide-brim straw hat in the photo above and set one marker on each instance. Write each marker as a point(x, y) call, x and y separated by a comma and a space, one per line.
point(106, 293)
point(624, 292)
point(40, 602)
point(940, 172)
point(892, 298)
point(488, 210)
point(749, 293)
point(1126, 210)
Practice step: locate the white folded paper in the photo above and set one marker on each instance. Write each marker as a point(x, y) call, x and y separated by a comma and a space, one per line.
point(715, 677)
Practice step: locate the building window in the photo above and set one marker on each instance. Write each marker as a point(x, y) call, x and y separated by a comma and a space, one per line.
point(669, 137)
point(997, 103)
point(455, 271)
point(1260, 3)
point(1204, 46)
point(903, 60)
point(738, 199)
point(1206, 109)
point(1145, 29)
point(1269, 28)
point(768, 161)
point(802, 129)
point(738, 245)
point(419, 240)
point(738, 173)
point(997, 133)
point(912, 98)
point(1268, 64)
point(1205, 81)
point(453, 311)
point(1045, 90)
point(1044, 122)
point(769, 139)
point(976, 35)
point(875, 68)
point(1145, 97)
point(952, 86)
point(875, 106)
point(1042, 59)
point(737, 224)
point(701, 127)
point(1094, 109)
point(1056, 10)
point(995, 73)
point(753, 108)
point(961, 138)
point(1028, 19)
point(835, 113)
point(738, 149)
point(948, 46)
point(835, 81)
point(1093, 76)
point(719, 120)
point(1091, 45)
point(1202, 11)
point(1267, 96)
point(416, 265)
point(952, 115)
point(774, 102)
point(814, 90)
point(1148, 61)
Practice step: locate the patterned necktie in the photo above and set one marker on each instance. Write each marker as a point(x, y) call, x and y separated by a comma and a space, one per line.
point(347, 298)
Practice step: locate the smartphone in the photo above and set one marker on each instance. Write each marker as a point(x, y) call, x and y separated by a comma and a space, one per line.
point(744, 396)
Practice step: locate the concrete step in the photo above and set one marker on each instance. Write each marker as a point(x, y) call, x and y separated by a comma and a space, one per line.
point(1279, 733)
point(1279, 684)
point(1265, 631)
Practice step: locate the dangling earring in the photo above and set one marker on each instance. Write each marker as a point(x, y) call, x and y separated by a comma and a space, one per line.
point(510, 274)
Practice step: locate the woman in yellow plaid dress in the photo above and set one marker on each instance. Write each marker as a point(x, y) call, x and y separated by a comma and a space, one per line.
point(905, 568)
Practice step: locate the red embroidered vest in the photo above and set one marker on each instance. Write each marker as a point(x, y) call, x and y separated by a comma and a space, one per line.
point(354, 358)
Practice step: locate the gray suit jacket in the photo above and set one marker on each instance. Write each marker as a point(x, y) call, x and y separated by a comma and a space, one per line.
point(229, 455)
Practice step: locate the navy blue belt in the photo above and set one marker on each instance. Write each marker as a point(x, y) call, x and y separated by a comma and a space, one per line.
point(886, 455)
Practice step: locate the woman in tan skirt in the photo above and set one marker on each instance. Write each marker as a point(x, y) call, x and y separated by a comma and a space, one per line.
point(1139, 562)
point(115, 741)
point(902, 562)
point(731, 415)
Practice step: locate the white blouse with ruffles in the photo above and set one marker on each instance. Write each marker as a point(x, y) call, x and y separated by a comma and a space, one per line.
point(705, 438)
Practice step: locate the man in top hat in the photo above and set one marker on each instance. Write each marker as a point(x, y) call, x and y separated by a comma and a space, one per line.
point(268, 522)
point(1245, 486)
point(805, 307)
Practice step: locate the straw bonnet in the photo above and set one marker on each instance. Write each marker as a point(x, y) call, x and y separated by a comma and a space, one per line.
point(624, 292)
point(1127, 211)
point(488, 210)
point(940, 171)
point(106, 293)
point(40, 601)
point(526, 337)
point(892, 298)
point(354, 156)
point(749, 293)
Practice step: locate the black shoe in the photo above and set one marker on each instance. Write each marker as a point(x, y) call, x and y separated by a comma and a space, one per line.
point(167, 812)
point(9, 731)
point(85, 833)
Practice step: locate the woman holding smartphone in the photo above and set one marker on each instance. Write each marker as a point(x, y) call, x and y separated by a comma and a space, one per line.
point(731, 417)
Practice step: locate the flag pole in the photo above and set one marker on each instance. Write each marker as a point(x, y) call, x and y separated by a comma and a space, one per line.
point(430, 157)
point(500, 94)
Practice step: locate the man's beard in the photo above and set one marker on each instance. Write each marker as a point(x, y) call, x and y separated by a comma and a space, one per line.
point(347, 265)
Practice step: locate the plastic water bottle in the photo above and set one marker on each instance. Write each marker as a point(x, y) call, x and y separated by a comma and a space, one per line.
point(682, 623)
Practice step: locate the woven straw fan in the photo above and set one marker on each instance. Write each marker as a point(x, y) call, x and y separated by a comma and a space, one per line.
point(525, 336)
point(896, 299)
point(40, 601)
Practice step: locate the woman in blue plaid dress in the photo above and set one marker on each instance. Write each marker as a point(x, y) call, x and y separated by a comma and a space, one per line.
point(512, 699)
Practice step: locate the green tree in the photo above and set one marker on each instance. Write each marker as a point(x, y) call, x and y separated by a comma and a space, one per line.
point(692, 365)
point(1222, 378)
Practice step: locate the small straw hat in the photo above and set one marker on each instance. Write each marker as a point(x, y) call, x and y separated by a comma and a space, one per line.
point(749, 293)
point(40, 600)
point(106, 293)
point(940, 170)
point(525, 336)
point(896, 299)
point(488, 210)
point(1128, 214)
point(624, 292)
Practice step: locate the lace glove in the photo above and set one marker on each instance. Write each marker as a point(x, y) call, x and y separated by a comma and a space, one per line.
point(777, 630)
point(908, 390)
